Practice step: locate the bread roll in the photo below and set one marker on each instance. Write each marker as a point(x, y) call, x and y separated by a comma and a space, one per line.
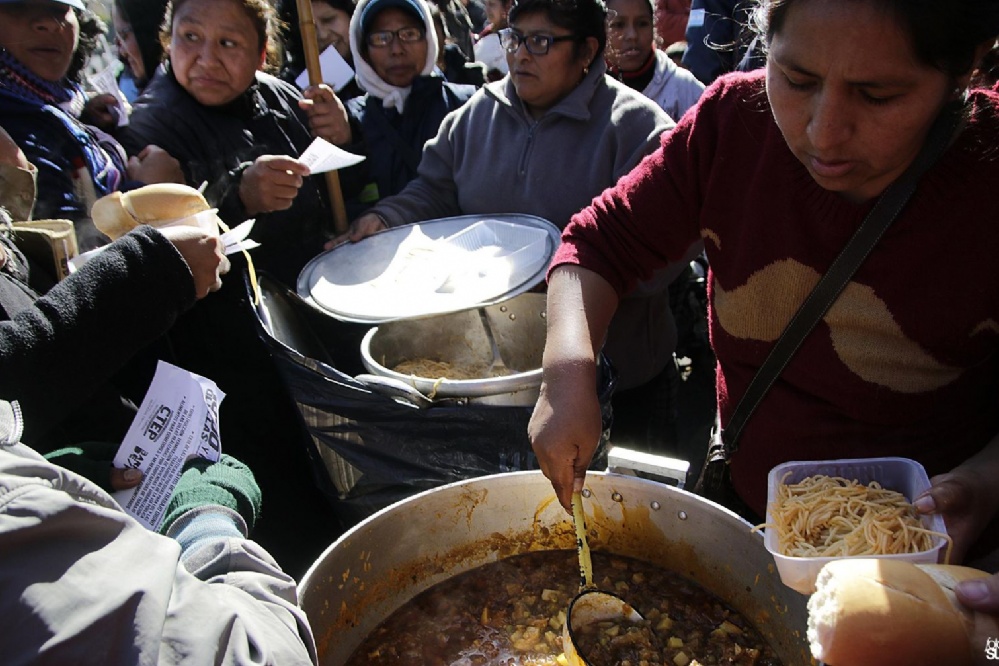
point(119, 212)
point(881, 612)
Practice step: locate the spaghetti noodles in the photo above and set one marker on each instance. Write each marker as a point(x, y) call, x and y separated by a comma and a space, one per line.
point(823, 516)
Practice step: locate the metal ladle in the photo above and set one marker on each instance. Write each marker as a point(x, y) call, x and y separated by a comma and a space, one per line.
point(590, 605)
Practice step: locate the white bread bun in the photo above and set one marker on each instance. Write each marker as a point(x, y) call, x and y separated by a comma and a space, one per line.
point(868, 612)
point(118, 213)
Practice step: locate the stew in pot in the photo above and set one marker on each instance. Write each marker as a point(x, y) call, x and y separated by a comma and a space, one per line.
point(511, 612)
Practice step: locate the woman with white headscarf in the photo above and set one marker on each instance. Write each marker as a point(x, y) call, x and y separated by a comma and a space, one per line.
point(394, 45)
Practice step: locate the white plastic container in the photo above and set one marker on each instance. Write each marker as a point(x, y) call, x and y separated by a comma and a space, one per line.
point(900, 474)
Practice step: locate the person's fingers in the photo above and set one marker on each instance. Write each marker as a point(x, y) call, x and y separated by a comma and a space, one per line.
point(283, 163)
point(144, 153)
point(123, 479)
point(948, 494)
point(980, 595)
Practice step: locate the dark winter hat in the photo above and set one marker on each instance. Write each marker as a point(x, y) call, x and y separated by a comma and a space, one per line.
point(375, 7)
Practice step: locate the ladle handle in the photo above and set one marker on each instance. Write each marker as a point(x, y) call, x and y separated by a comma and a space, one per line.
point(585, 563)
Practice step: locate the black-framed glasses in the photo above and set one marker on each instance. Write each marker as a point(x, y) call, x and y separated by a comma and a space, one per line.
point(537, 45)
point(406, 35)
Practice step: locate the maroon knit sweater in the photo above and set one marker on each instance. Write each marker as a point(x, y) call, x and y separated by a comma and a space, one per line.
point(905, 362)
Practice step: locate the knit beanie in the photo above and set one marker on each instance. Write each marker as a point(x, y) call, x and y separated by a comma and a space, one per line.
point(227, 483)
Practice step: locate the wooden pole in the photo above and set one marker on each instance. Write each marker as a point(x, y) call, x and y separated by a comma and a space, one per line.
point(310, 46)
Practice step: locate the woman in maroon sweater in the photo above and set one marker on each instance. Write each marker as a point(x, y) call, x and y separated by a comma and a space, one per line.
point(775, 170)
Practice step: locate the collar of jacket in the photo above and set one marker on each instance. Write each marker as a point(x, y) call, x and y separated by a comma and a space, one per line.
point(249, 105)
point(575, 105)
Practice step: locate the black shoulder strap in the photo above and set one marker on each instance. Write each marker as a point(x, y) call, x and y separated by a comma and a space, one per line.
point(827, 290)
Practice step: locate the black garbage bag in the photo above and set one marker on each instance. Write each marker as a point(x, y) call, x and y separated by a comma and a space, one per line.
point(371, 448)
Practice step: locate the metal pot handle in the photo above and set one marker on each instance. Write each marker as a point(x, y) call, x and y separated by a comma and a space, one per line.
point(396, 389)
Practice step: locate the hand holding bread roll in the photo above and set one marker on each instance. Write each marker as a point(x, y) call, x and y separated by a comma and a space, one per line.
point(882, 612)
point(119, 212)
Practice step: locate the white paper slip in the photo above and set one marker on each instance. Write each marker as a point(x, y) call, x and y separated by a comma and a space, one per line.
point(178, 420)
point(107, 82)
point(335, 71)
point(235, 240)
point(321, 156)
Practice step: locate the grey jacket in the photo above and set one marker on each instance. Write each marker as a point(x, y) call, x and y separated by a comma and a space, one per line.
point(673, 88)
point(82, 583)
point(491, 156)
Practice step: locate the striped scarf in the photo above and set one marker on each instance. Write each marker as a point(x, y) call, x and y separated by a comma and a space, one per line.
point(103, 156)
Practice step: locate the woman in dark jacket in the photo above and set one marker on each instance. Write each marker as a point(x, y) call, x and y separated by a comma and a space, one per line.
point(239, 129)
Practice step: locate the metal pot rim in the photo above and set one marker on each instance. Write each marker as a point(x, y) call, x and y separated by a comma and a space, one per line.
point(451, 388)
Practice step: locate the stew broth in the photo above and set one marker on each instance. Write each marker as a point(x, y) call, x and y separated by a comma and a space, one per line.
point(511, 613)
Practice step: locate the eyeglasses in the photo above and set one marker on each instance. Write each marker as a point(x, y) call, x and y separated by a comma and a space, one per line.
point(537, 45)
point(406, 35)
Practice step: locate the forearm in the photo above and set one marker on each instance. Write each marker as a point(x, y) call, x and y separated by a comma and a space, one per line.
point(580, 306)
point(53, 355)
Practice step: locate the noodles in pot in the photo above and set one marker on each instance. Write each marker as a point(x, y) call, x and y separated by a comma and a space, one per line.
point(429, 368)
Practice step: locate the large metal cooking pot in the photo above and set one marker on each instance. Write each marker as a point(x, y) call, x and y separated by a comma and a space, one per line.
point(397, 553)
point(460, 338)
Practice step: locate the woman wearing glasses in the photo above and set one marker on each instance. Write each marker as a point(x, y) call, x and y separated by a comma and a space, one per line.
point(394, 44)
point(545, 140)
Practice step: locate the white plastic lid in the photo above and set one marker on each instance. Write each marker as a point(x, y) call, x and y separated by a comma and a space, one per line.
point(430, 268)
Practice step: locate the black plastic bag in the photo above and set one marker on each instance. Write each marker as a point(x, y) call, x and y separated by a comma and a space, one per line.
point(372, 449)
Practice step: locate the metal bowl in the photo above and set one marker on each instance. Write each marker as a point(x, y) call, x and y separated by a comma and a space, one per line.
point(518, 326)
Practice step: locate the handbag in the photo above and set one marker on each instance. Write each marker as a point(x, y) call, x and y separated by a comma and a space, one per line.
point(714, 481)
point(50, 244)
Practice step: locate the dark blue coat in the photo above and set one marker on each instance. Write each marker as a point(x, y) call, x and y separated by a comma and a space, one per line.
point(392, 142)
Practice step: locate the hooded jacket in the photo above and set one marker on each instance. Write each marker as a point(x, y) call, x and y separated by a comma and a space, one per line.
point(389, 124)
point(83, 583)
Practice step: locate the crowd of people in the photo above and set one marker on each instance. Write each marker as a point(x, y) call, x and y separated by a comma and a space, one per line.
point(571, 110)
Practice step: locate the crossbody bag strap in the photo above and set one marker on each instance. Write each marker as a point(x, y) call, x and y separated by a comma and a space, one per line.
point(825, 293)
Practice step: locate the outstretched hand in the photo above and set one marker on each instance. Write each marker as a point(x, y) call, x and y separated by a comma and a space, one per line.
point(155, 165)
point(565, 429)
point(362, 227)
point(102, 111)
point(271, 183)
point(967, 499)
point(203, 254)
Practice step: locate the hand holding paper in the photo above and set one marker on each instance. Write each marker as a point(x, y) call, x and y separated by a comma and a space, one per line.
point(107, 83)
point(178, 420)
